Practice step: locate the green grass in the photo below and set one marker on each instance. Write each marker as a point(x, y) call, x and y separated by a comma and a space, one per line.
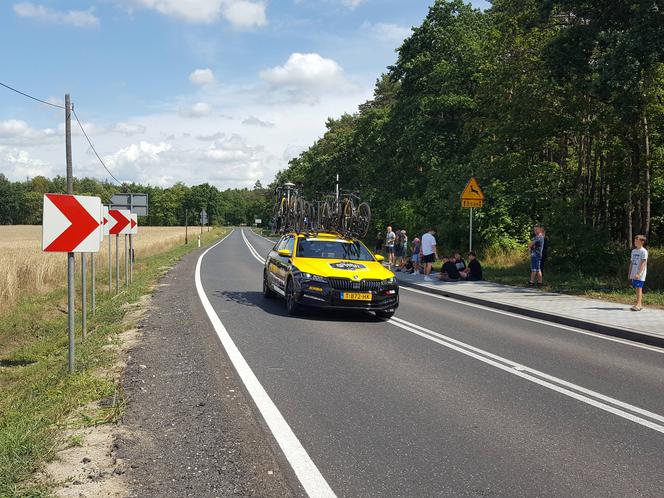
point(37, 395)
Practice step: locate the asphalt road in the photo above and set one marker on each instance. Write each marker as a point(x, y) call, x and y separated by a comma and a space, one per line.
point(447, 399)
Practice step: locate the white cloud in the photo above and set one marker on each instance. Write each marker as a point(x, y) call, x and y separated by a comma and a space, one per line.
point(242, 14)
point(77, 18)
point(386, 32)
point(129, 129)
point(20, 164)
point(198, 110)
point(254, 121)
point(202, 77)
point(19, 132)
point(211, 138)
point(306, 75)
point(352, 4)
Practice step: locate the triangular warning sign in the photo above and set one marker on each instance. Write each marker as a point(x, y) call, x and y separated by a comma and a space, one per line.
point(473, 191)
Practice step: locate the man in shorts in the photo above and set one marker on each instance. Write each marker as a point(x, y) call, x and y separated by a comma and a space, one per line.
point(638, 268)
point(536, 248)
point(390, 239)
point(429, 253)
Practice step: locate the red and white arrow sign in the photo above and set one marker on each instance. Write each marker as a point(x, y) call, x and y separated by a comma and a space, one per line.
point(71, 223)
point(106, 223)
point(121, 219)
point(133, 224)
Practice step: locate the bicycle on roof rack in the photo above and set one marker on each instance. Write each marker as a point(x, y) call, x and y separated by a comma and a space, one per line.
point(345, 215)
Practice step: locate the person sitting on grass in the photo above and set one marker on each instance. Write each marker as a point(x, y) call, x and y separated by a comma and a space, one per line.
point(449, 271)
point(638, 267)
point(474, 271)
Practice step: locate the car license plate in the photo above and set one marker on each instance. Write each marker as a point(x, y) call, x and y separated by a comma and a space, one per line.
point(356, 296)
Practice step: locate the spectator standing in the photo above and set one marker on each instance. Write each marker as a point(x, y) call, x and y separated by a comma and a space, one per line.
point(638, 268)
point(379, 242)
point(545, 251)
point(403, 239)
point(536, 248)
point(429, 252)
point(415, 258)
point(390, 239)
point(398, 249)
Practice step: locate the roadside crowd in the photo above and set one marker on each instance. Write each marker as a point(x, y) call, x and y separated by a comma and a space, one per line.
point(418, 257)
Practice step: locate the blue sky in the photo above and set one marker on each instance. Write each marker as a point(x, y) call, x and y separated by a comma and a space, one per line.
point(224, 91)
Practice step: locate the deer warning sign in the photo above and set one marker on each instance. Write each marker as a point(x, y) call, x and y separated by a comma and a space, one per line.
point(472, 196)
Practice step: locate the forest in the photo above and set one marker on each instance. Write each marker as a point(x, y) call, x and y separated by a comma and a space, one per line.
point(173, 206)
point(555, 106)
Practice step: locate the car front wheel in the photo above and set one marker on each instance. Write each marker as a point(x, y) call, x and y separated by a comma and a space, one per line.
point(268, 293)
point(291, 304)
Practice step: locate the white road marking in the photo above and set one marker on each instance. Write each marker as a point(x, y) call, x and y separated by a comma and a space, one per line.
point(306, 471)
point(541, 378)
point(252, 249)
point(533, 375)
point(537, 320)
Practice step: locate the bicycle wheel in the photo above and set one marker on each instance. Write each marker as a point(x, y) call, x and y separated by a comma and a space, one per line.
point(362, 220)
point(298, 214)
point(346, 218)
point(326, 216)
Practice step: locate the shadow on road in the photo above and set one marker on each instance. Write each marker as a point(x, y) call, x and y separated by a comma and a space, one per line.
point(277, 307)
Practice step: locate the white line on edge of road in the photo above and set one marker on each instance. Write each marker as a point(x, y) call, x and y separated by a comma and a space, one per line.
point(536, 320)
point(252, 249)
point(529, 374)
point(310, 477)
point(522, 370)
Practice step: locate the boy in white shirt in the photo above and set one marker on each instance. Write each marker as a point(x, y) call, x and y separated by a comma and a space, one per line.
point(638, 267)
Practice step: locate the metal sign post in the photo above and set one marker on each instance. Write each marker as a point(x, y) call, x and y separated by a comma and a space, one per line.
point(93, 296)
point(126, 264)
point(84, 298)
point(110, 265)
point(117, 264)
point(70, 256)
point(471, 230)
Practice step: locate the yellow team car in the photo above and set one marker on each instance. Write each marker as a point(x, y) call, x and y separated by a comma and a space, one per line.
point(327, 270)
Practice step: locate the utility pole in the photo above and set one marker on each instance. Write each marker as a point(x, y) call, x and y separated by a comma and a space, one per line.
point(70, 256)
point(186, 227)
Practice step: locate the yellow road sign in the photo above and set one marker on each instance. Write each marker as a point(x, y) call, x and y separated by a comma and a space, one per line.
point(473, 191)
point(472, 203)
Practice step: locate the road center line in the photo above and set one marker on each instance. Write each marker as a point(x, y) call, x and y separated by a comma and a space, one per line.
point(534, 376)
point(306, 471)
point(252, 249)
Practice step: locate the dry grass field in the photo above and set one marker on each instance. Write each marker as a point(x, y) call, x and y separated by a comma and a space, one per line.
point(25, 269)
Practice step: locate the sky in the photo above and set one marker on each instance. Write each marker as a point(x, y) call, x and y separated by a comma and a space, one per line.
point(217, 91)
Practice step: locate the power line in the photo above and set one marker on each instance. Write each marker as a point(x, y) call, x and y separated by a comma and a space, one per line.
point(93, 147)
point(31, 97)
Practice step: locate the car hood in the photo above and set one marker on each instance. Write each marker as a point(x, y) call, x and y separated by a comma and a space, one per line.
point(343, 268)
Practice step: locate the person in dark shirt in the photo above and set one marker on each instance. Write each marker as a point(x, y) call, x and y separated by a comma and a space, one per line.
point(449, 271)
point(460, 262)
point(474, 270)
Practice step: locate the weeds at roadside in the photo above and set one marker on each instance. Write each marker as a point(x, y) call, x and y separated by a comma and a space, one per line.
point(38, 396)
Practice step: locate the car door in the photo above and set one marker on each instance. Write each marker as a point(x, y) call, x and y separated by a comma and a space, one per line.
point(272, 264)
point(282, 263)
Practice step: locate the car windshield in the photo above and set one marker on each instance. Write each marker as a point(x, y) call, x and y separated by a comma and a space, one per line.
point(333, 249)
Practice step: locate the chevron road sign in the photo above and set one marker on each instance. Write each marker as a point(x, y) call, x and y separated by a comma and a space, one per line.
point(71, 223)
point(133, 224)
point(121, 219)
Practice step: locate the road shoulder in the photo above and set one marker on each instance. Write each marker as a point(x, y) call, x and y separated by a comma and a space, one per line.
point(193, 432)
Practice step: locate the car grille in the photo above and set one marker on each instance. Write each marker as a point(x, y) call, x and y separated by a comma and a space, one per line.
point(351, 285)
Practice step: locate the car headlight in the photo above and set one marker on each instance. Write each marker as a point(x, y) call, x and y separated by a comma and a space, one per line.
point(315, 278)
point(389, 281)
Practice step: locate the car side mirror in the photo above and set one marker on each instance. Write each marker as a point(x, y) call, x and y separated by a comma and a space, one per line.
point(284, 253)
point(379, 257)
